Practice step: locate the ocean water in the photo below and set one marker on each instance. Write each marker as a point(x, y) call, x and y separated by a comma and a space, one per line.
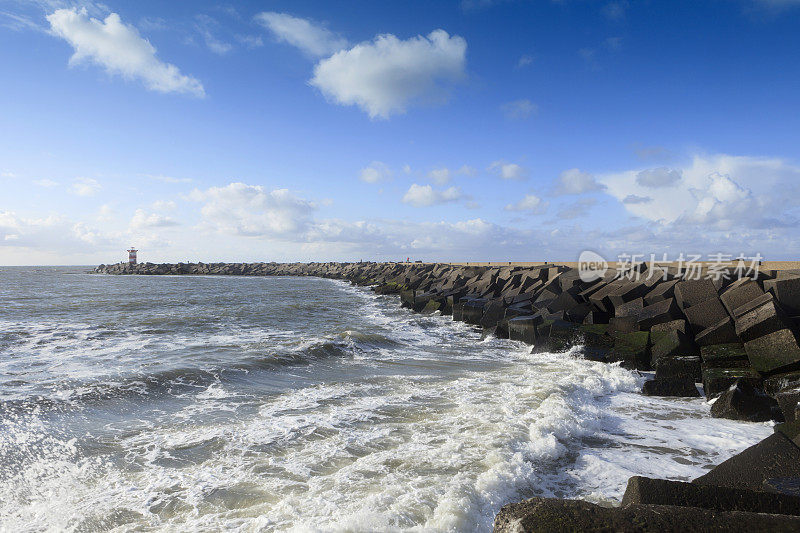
point(300, 404)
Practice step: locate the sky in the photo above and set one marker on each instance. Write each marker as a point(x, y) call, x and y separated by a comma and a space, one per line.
point(473, 130)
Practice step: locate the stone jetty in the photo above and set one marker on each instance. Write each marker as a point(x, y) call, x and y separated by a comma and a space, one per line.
point(733, 329)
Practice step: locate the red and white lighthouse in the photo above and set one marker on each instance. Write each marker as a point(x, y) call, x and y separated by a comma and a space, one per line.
point(132, 255)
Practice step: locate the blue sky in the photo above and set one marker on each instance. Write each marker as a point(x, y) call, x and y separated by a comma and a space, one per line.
point(474, 130)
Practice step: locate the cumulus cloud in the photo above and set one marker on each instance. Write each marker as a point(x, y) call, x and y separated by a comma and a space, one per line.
point(508, 171)
point(519, 109)
point(576, 209)
point(658, 177)
point(85, 187)
point(311, 38)
point(636, 199)
point(375, 172)
point(251, 210)
point(384, 76)
point(119, 49)
point(717, 192)
point(529, 203)
point(575, 181)
point(425, 195)
point(144, 220)
point(440, 176)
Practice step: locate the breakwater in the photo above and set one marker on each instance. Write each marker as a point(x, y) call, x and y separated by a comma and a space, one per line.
point(737, 334)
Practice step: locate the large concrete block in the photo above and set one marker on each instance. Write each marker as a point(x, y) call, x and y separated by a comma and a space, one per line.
point(742, 401)
point(493, 312)
point(739, 293)
point(718, 380)
point(663, 290)
point(679, 367)
point(693, 292)
point(761, 321)
point(720, 333)
point(643, 490)
point(632, 308)
point(671, 344)
point(523, 328)
point(681, 387)
point(773, 351)
point(705, 314)
point(554, 515)
point(658, 313)
point(774, 457)
point(631, 348)
point(787, 292)
point(718, 355)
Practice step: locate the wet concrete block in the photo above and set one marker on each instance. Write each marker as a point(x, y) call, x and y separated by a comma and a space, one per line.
point(670, 344)
point(774, 457)
point(784, 380)
point(742, 401)
point(680, 367)
point(622, 324)
point(773, 351)
point(718, 380)
point(788, 401)
point(692, 292)
point(681, 387)
point(523, 328)
point(762, 320)
point(678, 324)
point(717, 355)
point(632, 308)
point(493, 312)
point(551, 515)
point(648, 491)
point(632, 349)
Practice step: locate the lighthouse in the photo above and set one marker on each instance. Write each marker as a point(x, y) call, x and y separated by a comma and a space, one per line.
point(132, 255)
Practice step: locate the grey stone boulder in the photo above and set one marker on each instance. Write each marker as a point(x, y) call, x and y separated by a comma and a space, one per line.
point(742, 401)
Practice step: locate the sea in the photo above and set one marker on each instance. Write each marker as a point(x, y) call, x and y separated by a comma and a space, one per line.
point(209, 403)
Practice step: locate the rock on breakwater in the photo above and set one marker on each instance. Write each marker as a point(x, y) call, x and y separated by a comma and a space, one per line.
point(739, 337)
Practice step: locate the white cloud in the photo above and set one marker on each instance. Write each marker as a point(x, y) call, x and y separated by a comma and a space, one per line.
point(440, 176)
point(164, 205)
point(204, 27)
point(658, 177)
point(574, 181)
point(251, 210)
point(467, 170)
point(119, 49)
point(144, 220)
point(508, 171)
point(576, 209)
point(718, 192)
point(383, 77)
point(168, 179)
point(529, 203)
point(376, 172)
point(85, 187)
point(636, 199)
point(425, 195)
point(311, 38)
point(519, 109)
point(524, 61)
point(46, 183)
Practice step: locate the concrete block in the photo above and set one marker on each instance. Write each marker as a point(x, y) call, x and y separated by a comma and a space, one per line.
point(716, 355)
point(673, 343)
point(774, 457)
point(523, 328)
point(742, 401)
point(718, 380)
point(739, 293)
point(662, 291)
point(643, 490)
point(761, 321)
point(705, 314)
point(682, 387)
point(787, 292)
point(721, 333)
point(693, 292)
point(679, 367)
point(773, 351)
point(658, 313)
point(632, 308)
